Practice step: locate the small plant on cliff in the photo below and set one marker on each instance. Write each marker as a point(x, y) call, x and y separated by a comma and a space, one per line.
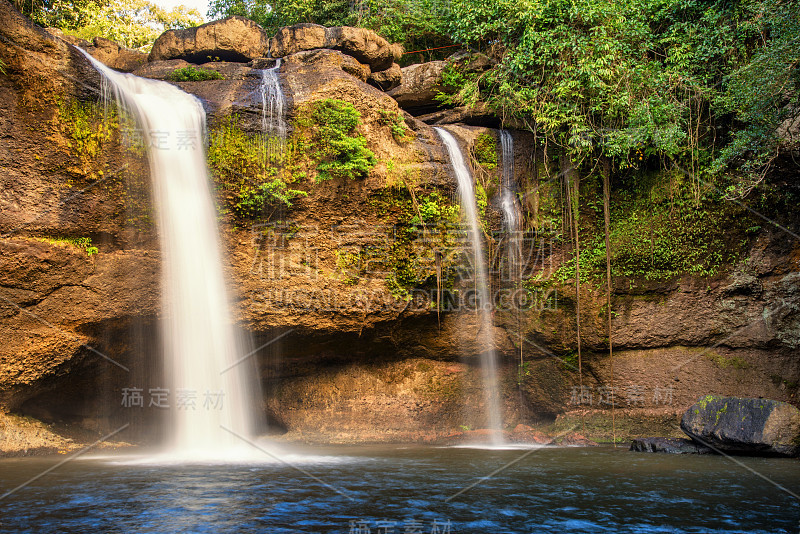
point(396, 123)
point(81, 242)
point(194, 74)
point(328, 132)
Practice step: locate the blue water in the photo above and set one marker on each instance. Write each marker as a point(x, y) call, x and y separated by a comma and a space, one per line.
point(379, 490)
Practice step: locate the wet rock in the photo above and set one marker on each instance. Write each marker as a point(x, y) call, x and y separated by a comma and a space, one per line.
point(758, 427)
point(669, 446)
point(231, 39)
point(527, 434)
point(575, 439)
point(386, 79)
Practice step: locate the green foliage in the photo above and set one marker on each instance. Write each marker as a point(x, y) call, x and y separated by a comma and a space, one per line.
point(485, 151)
point(327, 131)
point(395, 121)
point(658, 232)
point(245, 168)
point(194, 74)
point(700, 85)
point(131, 23)
point(434, 209)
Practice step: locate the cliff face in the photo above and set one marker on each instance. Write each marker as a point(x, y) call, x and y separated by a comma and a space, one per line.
point(346, 275)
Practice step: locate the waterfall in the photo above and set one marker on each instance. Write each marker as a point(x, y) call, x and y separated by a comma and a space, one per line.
point(273, 124)
point(209, 384)
point(510, 207)
point(488, 356)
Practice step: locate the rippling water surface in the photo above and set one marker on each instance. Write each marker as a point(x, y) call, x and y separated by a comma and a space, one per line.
point(406, 490)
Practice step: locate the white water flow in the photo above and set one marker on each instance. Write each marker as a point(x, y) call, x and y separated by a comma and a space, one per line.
point(466, 192)
point(273, 103)
point(209, 382)
point(510, 207)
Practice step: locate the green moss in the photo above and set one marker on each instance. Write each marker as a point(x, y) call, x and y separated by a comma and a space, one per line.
point(248, 171)
point(88, 128)
point(723, 363)
point(194, 74)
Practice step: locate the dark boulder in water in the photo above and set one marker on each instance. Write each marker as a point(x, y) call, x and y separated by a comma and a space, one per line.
point(733, 425)
point(669, 446)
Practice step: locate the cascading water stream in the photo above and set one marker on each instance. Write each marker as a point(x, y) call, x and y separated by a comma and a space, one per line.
point(510, 207)
point(211, 385)
point(273, 102)
point(488, 356)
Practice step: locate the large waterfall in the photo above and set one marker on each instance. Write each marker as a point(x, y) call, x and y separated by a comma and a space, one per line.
point(210, 383)
point(484, 303)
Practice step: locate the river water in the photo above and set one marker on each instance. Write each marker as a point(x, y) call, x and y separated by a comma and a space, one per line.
point(391, 489)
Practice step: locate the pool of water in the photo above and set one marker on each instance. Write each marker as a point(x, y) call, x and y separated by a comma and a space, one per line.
point(392, 489)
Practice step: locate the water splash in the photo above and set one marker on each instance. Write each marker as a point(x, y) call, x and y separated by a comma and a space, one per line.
point(211, 386)
point(466, 193)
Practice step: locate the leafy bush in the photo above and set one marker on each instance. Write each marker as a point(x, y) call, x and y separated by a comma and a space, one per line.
point(328, 133)
point(194, 74)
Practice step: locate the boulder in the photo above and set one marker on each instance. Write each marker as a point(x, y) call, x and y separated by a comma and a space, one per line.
point(735, 425)
point(364, 45)
point(669, 446)
point(231, 39)
point(421, 82)
point(115, 56)
point(386, 79)
point(298, 38)
point(106, 51)
point(479, 115)
point(326, 59)
point(420, 85)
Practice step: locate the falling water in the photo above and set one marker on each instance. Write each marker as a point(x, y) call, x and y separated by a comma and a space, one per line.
point(209, 382)
point(273, 124)
point(488, 356)
point(510, 207)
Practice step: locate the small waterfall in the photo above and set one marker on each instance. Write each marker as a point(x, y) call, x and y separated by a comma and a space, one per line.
point(273, 103)
point(510, 207)
point(210, 385)
point(488, 357)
